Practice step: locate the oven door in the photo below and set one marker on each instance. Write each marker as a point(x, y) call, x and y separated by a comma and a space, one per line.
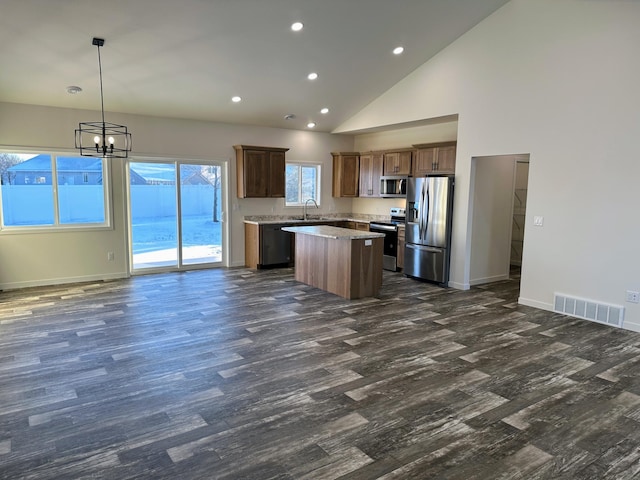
point(390, 251)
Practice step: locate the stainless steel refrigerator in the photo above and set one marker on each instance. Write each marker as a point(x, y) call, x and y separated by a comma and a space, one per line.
point(428, 228)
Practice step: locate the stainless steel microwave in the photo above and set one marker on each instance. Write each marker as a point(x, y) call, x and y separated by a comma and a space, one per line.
point(393, 186)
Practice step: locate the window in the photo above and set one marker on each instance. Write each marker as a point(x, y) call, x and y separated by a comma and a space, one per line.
point(52, 190)
point(302, 183)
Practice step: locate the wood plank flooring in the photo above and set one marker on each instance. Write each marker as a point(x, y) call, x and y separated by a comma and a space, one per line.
point(241, 374)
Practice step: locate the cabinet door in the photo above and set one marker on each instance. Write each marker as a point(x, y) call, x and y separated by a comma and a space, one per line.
point(446, 159)
point(346, 174)
point(370, 172)
point(251, 245)
point(256, 173)
point(276, 174)
point(391, 163)
point(425, 162)
point(404, 163)
point(397, 163)
point(366, 165)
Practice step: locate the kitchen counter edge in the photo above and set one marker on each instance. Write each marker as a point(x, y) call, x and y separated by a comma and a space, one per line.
point(336, 233)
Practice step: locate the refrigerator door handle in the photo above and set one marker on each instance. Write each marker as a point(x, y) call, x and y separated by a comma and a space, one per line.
point(421, 212)
point(424, 217)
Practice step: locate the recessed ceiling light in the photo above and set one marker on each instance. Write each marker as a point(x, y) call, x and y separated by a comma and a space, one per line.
point(73, 89)
point(297, 26)
point(236, 99)
point(311, 124)
point(398, 50)
point(312, 76)
point(324, 111)
point(289, 116)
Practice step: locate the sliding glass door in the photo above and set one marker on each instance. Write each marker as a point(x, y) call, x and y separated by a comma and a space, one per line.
point(175, 215)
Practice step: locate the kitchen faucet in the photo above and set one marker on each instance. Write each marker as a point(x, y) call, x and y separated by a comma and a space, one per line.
point(304, 216)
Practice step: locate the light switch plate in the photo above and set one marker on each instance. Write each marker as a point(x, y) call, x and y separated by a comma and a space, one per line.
point(538, 220)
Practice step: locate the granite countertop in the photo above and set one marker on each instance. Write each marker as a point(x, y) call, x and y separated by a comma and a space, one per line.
point(280, 219)
point(337, 233)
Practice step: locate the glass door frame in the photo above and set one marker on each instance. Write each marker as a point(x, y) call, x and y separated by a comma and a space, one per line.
point(224, 197)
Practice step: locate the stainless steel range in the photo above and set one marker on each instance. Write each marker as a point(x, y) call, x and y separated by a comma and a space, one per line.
point(390, 229)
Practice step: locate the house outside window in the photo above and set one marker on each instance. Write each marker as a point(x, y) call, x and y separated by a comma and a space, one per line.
point(52, 191)
point(302, 182)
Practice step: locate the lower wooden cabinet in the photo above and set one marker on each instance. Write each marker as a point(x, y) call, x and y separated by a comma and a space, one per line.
point(353, 225)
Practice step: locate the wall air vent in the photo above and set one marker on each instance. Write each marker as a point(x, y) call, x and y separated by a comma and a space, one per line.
point(589, 309)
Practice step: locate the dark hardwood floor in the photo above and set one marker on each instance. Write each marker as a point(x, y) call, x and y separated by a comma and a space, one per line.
point(238, 374)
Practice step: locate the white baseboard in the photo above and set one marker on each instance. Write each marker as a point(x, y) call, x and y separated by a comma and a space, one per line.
point(61, 281)
point(459, 286)
point(634, 327)
point(495, 278)
point(536, 304)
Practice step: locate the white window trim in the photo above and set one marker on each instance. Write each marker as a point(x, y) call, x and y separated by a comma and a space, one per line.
point(57, 226)
point(318, 167)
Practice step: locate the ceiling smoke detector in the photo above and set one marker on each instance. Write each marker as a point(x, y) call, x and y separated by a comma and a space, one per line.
point(289, 116)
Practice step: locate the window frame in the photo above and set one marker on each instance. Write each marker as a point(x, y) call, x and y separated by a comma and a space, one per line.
point(57, 226)
point(300, 165)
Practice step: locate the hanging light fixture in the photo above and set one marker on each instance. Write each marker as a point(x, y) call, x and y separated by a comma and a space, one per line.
point(102, 139)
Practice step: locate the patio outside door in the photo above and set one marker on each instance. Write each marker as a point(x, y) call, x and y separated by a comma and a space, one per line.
point(175, 215)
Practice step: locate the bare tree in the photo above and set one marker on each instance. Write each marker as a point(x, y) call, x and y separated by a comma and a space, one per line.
point(8, 160)
point(212, 173)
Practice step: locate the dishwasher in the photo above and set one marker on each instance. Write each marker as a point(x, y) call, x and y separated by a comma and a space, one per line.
point(276, 246)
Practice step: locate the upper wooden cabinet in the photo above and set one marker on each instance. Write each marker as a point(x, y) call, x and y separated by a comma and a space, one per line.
point(371, 167)
point(397, 163)
point(260, 171)
point(434, 158)
point(346, 170)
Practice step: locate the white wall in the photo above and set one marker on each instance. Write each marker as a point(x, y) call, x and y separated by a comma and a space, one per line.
point(45, 258)
point(557, 79)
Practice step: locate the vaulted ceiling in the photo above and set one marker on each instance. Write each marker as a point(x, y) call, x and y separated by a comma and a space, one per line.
point(188, 58)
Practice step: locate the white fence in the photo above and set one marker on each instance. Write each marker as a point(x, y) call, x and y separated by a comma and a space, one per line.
point(33, 204)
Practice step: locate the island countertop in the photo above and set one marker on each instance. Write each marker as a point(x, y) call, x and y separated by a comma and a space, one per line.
point(336, 233)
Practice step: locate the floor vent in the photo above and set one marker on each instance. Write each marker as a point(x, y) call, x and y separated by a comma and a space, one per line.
point(589, 309)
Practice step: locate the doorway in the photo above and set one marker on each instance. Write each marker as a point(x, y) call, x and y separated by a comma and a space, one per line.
point(175, 215)
point(498, 192)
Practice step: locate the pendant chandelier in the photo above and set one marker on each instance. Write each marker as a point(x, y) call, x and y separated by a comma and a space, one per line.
point(102, 139)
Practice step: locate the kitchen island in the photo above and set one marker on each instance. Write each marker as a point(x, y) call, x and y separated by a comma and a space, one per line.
point(342, 261)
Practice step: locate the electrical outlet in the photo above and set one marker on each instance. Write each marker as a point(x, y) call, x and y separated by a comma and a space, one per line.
point(633, 297)
point(538, 220)
point(110, 256)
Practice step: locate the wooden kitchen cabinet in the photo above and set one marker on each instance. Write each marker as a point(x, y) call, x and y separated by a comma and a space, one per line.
point(400, 251)
point(434, 158)
point(371, 168)
point(398, 162)
point(346, 172)
point(260, 171)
